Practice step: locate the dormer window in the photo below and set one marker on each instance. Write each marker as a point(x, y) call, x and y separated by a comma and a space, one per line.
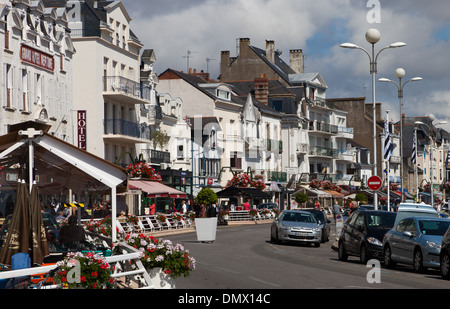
point(223, 94)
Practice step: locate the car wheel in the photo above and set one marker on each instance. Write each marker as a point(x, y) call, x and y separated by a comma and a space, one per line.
point(445, 265)
point(418, 261)
point(342, 255)
point(317, 244)
point(388, 262)
point(363, 255)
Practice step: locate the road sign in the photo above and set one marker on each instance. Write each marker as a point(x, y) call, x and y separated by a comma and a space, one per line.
point(374, 183)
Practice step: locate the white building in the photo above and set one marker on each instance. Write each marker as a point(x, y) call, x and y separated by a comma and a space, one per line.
point(36, 54)
point(107, 81)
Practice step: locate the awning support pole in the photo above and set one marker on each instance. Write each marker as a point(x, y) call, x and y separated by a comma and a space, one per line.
point(113, 214)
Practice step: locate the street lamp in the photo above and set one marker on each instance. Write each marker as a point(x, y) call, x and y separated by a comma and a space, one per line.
point(373, 36)
point(431, 118)
point(400, 73)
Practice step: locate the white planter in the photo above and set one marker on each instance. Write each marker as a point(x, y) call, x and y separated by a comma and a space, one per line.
point(161, 280)
point(206, 229)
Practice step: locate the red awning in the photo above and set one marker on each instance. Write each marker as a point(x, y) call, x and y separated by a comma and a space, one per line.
point(155, 189)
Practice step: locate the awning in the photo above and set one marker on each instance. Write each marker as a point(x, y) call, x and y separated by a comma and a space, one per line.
point(314, 192)
point(335, 194)
point(155, 189)
point(243, 192)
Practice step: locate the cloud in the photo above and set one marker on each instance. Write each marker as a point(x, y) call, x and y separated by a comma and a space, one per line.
point(206, 27)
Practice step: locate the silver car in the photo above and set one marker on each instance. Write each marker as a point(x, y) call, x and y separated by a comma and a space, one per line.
point(415, 241)
point(296, 225)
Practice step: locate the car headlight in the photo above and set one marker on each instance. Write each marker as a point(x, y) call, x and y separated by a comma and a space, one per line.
point(374, 241)
point(316, 229)
point(434, 245)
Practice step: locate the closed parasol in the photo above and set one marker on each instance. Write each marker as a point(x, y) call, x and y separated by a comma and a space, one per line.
point(39, 248)
point(18, 235)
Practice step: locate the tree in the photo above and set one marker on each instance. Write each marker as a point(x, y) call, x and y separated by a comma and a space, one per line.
point(207, 197)
point(361, 197)
point(301, 198)
point(159, 138)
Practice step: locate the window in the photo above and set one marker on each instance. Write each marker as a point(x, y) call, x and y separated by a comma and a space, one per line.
point(222, 94)
point(9, 85)
point(277, 105)
point(25, 102)
point(235, 160)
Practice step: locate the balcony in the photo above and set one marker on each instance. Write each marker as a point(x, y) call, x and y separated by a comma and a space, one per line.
point(345, 132)
point(274, 145)
point(317, 151)
point(124, 90)
point(345, 155)
point(323, 127)
point(302, 148)
point(255, 143)
point(157, 156)
point(125, 131)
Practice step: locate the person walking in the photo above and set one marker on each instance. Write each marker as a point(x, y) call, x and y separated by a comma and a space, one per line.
point(336, 210)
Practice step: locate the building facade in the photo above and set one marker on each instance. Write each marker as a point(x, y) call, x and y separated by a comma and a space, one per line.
point(36, 60)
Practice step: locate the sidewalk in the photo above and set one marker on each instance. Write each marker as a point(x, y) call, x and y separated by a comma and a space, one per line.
point(192, 228)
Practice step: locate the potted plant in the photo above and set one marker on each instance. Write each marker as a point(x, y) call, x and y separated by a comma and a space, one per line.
point(163, 260)
point(253, 213)
point(224, 213)
point(89, 271)
point(206, 227)
point(161, 217)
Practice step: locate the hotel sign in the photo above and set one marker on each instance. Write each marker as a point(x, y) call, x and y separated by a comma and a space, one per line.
point(37, 58)
point(81, 125)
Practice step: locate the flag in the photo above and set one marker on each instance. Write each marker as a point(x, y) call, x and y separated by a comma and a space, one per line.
point(387, 142)
point(414, 149)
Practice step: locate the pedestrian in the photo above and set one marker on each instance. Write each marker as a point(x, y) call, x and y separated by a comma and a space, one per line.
point(336, 210)
point(317, 205)
point(246, 205)
point(183, 207)
point(71, 234)
point(152, 209)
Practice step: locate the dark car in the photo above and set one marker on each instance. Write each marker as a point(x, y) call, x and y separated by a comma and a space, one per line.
point(323, 222)
point(363, 234)
point(267, 205)
point(51, 227)
point(444, 256)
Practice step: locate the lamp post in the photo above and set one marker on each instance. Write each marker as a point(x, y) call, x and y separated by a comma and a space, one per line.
point(373, 36)
point(431, 118)
point(400, 73)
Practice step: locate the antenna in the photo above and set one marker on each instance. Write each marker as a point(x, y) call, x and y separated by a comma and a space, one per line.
point(188, 55)
point(207, 63)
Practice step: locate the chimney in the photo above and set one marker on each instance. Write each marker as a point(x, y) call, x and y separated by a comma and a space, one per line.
point(296, 60)
point(262, 89)
point(243, 44)
point(270, 50)
point(224, 61)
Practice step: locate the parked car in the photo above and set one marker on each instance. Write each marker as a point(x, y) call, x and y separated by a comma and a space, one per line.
point(406, 210)
point(267, 205)
point(297, 226)
point(444, 256)
point(363, 233)
point(323, 221)
point(415, 241)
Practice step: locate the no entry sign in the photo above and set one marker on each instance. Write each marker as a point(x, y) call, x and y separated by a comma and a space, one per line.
point(374, 183)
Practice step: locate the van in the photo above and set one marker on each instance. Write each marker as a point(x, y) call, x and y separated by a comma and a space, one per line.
point(406, 210)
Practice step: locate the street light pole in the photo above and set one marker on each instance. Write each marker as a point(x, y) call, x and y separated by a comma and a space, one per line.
point(373, 36)
point(400, 73)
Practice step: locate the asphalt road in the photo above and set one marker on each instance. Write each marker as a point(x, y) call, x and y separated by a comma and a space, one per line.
point(242, 257)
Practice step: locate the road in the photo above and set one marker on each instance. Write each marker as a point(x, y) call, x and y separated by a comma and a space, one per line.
point(242, 257)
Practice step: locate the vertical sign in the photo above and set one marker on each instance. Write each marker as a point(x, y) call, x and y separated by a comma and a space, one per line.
point(81, 124)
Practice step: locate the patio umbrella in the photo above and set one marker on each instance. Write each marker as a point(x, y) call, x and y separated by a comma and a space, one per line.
point(39, 248)
point(18, 236)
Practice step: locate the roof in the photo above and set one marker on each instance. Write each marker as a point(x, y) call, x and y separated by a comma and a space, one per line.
point(279, 66)
point(155, 189)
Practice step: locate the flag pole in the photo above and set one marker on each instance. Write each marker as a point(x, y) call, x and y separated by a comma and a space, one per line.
point(386, 158)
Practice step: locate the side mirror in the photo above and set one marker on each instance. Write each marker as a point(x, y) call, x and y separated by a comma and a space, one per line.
point(407, 234)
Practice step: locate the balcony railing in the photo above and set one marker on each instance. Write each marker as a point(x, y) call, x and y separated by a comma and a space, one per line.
point(277, 176)
point(126, 128)
point(157, 156)
point(322, 151)
point(324, 127)
point(120, 84)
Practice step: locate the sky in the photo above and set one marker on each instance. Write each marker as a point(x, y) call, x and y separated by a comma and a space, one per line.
point(206, 27)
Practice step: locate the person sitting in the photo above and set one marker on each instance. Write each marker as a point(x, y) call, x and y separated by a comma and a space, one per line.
point(71, 234)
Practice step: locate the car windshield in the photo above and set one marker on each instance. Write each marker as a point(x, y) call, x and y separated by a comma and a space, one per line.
point(385, 220)
point(298, 217)
point(431, 227)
